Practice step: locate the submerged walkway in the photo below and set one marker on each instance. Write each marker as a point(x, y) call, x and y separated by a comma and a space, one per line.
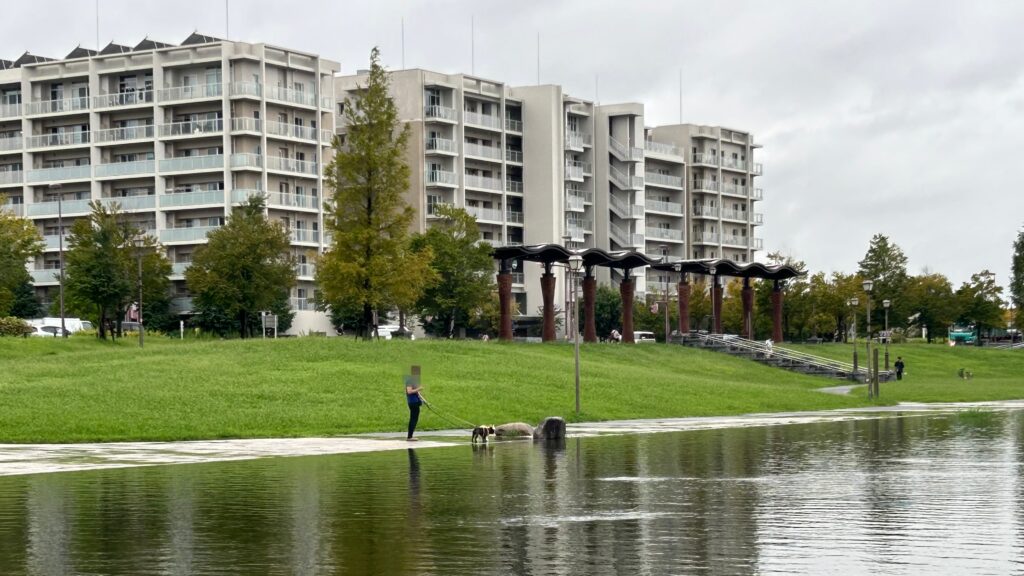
point(18, 459)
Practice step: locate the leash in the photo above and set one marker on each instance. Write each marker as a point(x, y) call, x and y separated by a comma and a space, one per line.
point(443, 417)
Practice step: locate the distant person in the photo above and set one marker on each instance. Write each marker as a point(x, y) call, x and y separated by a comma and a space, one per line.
point(414, 399)
point(769, 346)
point(900, 366)
point(615, 336)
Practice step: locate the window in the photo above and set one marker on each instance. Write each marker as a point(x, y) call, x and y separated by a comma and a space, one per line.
point(341, 108)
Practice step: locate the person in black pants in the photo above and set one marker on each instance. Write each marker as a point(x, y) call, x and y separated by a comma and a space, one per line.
point(899, 367)
point(414, 399)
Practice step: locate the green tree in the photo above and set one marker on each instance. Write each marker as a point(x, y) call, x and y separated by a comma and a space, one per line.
point(980, 302)
point(462, 270)
point(930, 296)
point(102, 268)
point(370, 264)
point(885, 264)
point(25, 304)
point(607, 310)
point(244, 268)
point(19, 241)
point(1017, 279)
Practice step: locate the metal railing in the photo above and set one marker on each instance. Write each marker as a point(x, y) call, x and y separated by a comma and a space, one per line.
point(731, 341)
point(121, 134)
point(186, 234)
point(125, 168)
point(178, 268)
point(624, 181)
point(734, 190)
point(246, 160)
point(664, 179)
point(302, 303)
point(489, 214)
point(574, 203)
point(12, 143)
point(282, 94)
point(133, 98)
point(11, 177)
point(705, 186)
point(573, 170)
point(705, 158)
point(756, 194)
point(191, 128)
point(757, 169)
point(705, 211)
point(730, 214)
point(623, 237)
point(304, 235)
point(61, 173)
point(16, 209)
point(733, 240)
point(45, 276)
point(514, 156)
point(292, 165)
point(240, 195)
point(664, 233)
point(734, 163)
point(57, 106)
point(624, 209)
point(485, 120)
point(492, 152)
point(185, 163)
point(441, 177)
point(624, 151)
point(253, 89)
point(131, 202)
point(440, 145)
point(193, 92)
point(50, 208)
point(440, 112)
point(175, 199)
point(484, 182)
point(706, 237)
point(513, 216)
point(661, 148)
point(758, 219)
point(306, 270)
point(246, 125)
point(513, 125)
point(293, 200)
point(287, 130)
point(665, 207)
point(10, 110)
point(61, 139)
point(574, 140)
point(514, 186)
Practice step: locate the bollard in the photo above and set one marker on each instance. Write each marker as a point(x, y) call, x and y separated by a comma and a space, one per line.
point(875, 364)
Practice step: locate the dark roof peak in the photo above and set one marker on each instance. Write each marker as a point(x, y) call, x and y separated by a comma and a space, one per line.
point(80, 52)
point(197, 38)
point(115, 49)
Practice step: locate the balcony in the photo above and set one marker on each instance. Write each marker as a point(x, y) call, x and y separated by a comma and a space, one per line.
point(585, 195)
point(734, 215)
point(51, 242)
point(756, 194)
point(734, 164)
point(702, 211)
point(574, 203)
point(240, 195)
point(179, 268)
point(663, 149)
point(246, 125)
point(285, 130)
point(129, 203)
point(482, 120)
point(304, 236)
point(123, 99)
point(192, 128)
point(514, 216)
point(706, 238)
point(705, 158)
point(625, 152)
point(191, 163)
point(624, 209)
point(664, 234)
point(79, 138)
point(63, 106)
point(305, 270)
point(116, 169)
point(16, 209)
point(483, 182)
point(665, 180)
point(441, 145)
point(45, 276)
point(575, 231)
point(246, 89)
point(440, 113)
point(705, 186)
point(742, 241)
point(479, 151)
point(292, 165)
point(186, 234)
point(734, 190)
point(247, 160)
point(290, 95)
point(756, 169)
point(327, 137)
point(487, 214)
point(514, 156)
point(10, 110)
point(110, 135)
point(196, 92)
point(282, 200)
point(513, 186)
point(758, 219)
point(67, 207)
point(662, 207)
point(757, 243)
point(302, 303)
point(574, 170)
point(8, 144)
point(574, 141)
point(59, 174)
point(11, 177)
point(178, 198)
point(513, 125)
point(441, 178)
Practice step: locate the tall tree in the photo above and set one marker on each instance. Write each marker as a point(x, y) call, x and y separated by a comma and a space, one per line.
point(885, 264)
point(244, 268)
point(1017, 279)
point(370, 264)
point(463, 269)
point(980, 302)
point(102, 267)
point(19, 241)
point(930, 296)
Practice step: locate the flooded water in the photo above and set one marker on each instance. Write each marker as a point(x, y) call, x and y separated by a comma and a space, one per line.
point(939, 494)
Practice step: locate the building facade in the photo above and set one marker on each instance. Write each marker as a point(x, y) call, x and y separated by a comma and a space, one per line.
point(176, 136)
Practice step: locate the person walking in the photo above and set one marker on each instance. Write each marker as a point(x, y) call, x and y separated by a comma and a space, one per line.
point(414, 399)
point(899, 367)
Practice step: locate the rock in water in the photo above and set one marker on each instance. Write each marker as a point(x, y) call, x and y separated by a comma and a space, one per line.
point(551, 428)
point(513, 430)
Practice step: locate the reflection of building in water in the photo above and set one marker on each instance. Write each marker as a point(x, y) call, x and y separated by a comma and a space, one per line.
point(51, 514)
point(308, 553)
point(181, 505)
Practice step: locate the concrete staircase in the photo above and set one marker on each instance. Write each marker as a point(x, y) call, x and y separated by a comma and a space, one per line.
point(779, 357)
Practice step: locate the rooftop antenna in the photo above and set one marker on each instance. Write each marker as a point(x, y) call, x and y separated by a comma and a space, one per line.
point(680, 95)
point(97, 25)
point(538, 58)
point(227, 20)
point(403, 43)
point(472, 45)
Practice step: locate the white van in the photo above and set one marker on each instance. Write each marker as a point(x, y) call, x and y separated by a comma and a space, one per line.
point(72, 325)
point(644, 337)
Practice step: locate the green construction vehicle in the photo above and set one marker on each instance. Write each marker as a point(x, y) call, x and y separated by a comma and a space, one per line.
point(962, 335)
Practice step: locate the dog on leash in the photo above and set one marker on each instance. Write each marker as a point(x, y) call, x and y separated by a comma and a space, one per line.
point(482, 432)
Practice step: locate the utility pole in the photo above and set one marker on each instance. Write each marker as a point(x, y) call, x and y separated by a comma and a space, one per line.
point(60, 240)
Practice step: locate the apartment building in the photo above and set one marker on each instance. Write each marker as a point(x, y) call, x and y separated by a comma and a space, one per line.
point(536, 165)
point(176, 136)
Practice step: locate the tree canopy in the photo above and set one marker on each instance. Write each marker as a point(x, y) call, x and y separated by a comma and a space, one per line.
point(19, 241)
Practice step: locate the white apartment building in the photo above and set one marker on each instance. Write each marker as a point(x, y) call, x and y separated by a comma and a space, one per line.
point(176, 135)
point(536, 165)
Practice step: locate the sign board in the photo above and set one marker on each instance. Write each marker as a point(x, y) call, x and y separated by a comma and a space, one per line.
point(269, 323)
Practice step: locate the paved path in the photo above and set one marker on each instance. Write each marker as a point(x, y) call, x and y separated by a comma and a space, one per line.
point(18, 459)
point(840, 390)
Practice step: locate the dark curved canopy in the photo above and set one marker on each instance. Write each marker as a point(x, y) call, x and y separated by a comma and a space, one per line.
point(551, 253)
point(729, 268)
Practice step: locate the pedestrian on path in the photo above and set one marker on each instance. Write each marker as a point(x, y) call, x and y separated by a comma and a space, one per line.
point(899, 367)
point(414, 399)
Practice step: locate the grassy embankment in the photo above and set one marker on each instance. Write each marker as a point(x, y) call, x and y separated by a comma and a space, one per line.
point(84, 390)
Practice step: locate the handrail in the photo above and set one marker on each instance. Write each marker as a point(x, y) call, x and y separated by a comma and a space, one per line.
point(784, 353)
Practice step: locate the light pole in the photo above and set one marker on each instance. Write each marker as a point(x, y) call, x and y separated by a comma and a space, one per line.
point(664, 258)
point(714, 285)
point(886, 303)
point(570, 293)
point(60, 241)
point(868, 285)
point(853, 303)
point(139, 245)
point(575, 265)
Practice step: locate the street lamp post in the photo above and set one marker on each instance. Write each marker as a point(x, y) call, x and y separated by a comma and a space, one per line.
point(575, 265)
point(60, 241)
point(886, 303)
point(664, 258)
point(570, 293)
point(868, 285)
point(139, 244)
point(853, 303)
point(714, 284)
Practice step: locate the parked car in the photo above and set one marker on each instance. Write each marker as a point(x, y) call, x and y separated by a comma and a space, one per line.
point(54, 330)
point(385, 331)
point(643, 337)
point(38, 331)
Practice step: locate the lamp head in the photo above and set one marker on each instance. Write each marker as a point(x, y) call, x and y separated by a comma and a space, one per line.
point(575, 263)
point(854, 301)
point(886, 303)
point(868, 285)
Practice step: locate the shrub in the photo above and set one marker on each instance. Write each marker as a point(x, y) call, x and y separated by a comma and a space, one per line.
point(13, 326)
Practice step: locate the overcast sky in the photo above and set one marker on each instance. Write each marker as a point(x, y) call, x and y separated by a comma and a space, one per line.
point(905, 118)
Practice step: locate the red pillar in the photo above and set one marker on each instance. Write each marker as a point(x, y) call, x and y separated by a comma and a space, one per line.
point(716, 304)
point(683, 288)
point(547, 289)
point(748, 309)
point(589, 301)
point(505, 303)
point(777, 312)
point(626, 291)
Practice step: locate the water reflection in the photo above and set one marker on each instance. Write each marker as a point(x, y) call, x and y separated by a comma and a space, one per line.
point(890, 496)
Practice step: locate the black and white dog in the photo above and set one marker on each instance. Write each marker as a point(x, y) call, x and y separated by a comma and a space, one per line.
point(482, 432)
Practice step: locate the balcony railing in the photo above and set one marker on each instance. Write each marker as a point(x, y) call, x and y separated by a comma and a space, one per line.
point(45, 276)
point(441, 177)
point(756, 169)
point(707, 237)
point(662, 148)
point(246, 125)
point(292, 165)
point(585, 195)
point(125, 168)
point(664, 234)
point(10, 110)
point(664, 207)
point(302, 303)
point(62, 173)
point(705, 211)
point(63, 139)
point(441, 145)
point(664, 180)
point(624, 151)
point(16, 209)
point(705, 186)
point(575, 231)
point(513, 125)
point(177, 199)
point(122, 134)
point(574, 203)
point(624, 181)
point(732, 240)
point(51, 242)
point(240, 195)
point(275, 128)
point(492, 152)
point(485, 182)
point(178, 268)
point(246, 160)
point(513, 217)
point(187, 163)
point(192, 128)
point(756, 194)
point(489, 214)
point(737, 215)
point(734, 163)
point(291, 95)
point(11, 177)
point(514, 156)
point(574, 140)
point(57, 106)
point(303, 235)
point(131, 202)
point(280, 199)
point(51, 208)
point(514, 186)
point(14, 143)
point(195, 92)
point(758, 219)
point(624, 237)
point(757, 243)
point(440, 112)
point(253, 89)
point(305, 270)
point(485, 120)
point(326, 137)
point(119, 99)
point(186, 234)
point(705, 158)
point(573, 170)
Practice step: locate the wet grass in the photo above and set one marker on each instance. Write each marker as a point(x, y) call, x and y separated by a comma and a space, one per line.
point(83, 390)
